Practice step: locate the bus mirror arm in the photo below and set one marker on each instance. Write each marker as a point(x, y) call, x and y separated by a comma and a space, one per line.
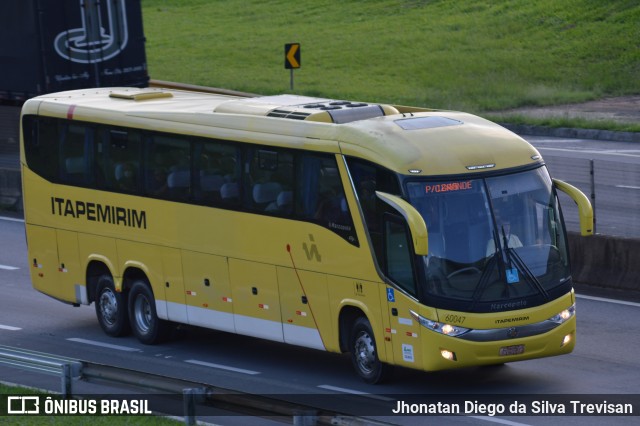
point(585, 211)
point(414, 219)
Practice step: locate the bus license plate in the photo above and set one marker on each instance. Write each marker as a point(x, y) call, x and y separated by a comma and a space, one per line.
point(511, 350)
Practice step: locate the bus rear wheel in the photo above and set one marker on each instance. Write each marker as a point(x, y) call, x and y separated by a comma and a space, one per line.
point(364, 353)
point(145, 324)
point(111, 308)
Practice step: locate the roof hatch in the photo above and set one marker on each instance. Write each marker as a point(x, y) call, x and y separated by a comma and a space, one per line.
point(140, 94)
point(431, 122)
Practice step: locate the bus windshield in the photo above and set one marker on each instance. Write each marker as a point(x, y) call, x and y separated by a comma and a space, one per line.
point(492, 241)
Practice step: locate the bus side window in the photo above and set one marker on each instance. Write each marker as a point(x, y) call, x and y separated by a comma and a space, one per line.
point(169, 167)
point(124, 159)
point(41, 137)
point(321, 197)
point(269, 181)
point(76, 154)
point(367, 179)
point(217, 167)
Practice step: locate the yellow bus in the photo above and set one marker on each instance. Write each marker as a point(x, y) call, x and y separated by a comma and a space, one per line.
point(404, 236)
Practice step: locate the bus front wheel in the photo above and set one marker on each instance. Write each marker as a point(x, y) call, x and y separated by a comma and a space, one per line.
point(111, 308)
point(364, 353)
point(147, 327)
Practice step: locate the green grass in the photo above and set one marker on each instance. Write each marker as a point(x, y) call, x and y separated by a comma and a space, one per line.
point(452, 54)
point(6, 390)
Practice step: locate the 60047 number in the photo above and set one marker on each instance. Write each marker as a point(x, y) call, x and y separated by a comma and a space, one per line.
point(454, 319)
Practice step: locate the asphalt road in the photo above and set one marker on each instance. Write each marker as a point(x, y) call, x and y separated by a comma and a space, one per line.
point(605, 361)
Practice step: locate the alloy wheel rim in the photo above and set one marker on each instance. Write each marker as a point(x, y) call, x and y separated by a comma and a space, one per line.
point(142, 314)
point(108, 307)
point(365, 353)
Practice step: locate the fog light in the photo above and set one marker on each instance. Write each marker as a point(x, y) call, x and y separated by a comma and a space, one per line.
point(451, 356)
point(566, 340)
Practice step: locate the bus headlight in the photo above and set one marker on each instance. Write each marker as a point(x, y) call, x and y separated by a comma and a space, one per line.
point(438, 327)
point(564, 316)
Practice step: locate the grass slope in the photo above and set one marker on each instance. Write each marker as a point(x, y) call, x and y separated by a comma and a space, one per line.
point(477, 56)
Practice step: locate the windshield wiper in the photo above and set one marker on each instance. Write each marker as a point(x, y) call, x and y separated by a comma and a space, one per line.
point(483, 283)
point(512, 255)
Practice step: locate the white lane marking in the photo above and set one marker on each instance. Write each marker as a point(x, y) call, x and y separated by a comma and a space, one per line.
point(498, 420)
point(221, 367)
point(11, 219)
point(9, 327)
point(603, 299)
point(8, 268)
point(355, 392)
point(536, 139)
point(627, 186)
point(104, 345)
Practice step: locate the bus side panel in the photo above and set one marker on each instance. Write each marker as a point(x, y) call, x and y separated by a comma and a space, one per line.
point(363, 295)
point(208, 291)
point(43, 256)
point(174, 285)
point(306, 319)
point(70, 272)
point(256, 301)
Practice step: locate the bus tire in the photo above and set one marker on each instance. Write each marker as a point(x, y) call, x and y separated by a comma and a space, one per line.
point(364, 353)
point(145, 324)
point(111, 307)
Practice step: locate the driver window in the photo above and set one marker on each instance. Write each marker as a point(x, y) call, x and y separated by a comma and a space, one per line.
point(398, 254)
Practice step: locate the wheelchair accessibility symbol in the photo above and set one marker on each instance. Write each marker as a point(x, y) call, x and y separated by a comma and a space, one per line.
point(512, 276)
point(391, 296)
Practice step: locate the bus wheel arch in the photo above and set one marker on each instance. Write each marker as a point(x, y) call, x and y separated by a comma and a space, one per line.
point(348, 315)
point(95, 269)
point(357, 338)
point(145, 323)
point(131, 275)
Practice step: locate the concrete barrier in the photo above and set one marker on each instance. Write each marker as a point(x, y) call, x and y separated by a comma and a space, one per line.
point(605, 261)
point(10, 190)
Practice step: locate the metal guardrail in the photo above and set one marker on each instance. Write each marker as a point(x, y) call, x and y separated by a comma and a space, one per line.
point(66, 368)
point(194, 394)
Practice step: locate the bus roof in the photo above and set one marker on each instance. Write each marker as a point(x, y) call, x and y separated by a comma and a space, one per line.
point(407, 140)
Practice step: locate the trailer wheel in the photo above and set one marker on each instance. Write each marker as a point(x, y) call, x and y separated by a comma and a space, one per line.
point(145, 324)
point(111, 307)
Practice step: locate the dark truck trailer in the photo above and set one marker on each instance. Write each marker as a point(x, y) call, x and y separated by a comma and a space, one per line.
point(55, 45)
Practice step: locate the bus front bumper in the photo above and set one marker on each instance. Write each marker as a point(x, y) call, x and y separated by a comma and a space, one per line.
point(443, 352)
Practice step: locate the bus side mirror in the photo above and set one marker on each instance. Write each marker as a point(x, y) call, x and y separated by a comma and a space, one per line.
point(414, 220)
point(585, 211)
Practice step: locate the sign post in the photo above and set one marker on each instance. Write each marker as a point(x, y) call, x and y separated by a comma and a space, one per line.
point(292, 58)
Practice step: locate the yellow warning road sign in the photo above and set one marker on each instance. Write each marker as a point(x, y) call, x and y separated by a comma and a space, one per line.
point(292, 55)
